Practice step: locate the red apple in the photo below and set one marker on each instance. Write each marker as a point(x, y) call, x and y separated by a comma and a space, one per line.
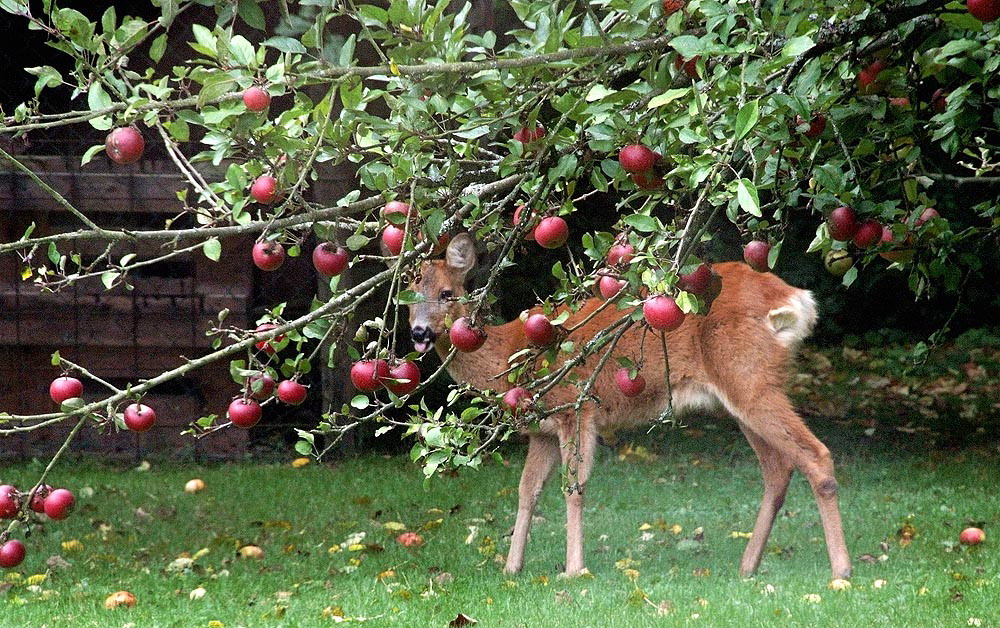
point(552, 232)
point(465, 337)
point(672, 6)
point(245, 413)
point(620, 254)
point(539, 330)
point(9, 502)
point(629, 387)
point(139, 417)
point(264, 189)
point(291, 392)
point(690, 66)
point(329, 259)
point(900, 101)
point(124, 145)
point(928, 214)
point(256, 99)
point(59, 504)
point(868, 82)
point(756, 253)
point(816, 126)
point(869, 234)
point(260, 386)
point(843, 224)
point(265, 345)
point(696, 281)
point(516, 399)
point(392, 238)
point(403, 378)
point(895, 251)
point(637, 158)
point(11, 554)
point(396, 207)
point(662, 313)
point(609, 286)
point(63, 388)
point(972, 536)
point(38, 499)
point(367, 375)
point(268, 255)
point(647, 180)
point(939, 100)
point(984, 10)
point(527, 136)
point(530, 235)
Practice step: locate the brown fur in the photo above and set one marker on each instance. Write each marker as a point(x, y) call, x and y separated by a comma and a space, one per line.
point(736, 356)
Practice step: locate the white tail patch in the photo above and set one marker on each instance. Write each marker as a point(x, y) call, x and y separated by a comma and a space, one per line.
point(792, 323)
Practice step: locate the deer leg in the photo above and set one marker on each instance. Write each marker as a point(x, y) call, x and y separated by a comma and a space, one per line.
point(774, 421)
point(577, 450)
point(543, 452)
point(777, 472)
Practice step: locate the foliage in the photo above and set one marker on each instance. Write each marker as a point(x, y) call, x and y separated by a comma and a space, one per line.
point(726, 92)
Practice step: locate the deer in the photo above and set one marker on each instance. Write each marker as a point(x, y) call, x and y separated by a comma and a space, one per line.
point(736, 357)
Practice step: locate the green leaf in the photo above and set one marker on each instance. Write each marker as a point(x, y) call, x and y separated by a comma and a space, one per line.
point(17, 7)
point(53, 253)
point(409, 297)
point(168, 11)
point(285, 44)
point(47, 75)
point(797, 45)
point(87, 156)
point(56, 359)
point(747, 118)
point(667, 97)
point(108, 278)
point(97, 98)
point(360, 402)
point(216, 85)
point(357, 242)
point(746, 194)
point(212, 249)
point(303, 447)
point(688, 46)
point(645, 224)
point(243, 51)
point(252, 14)
point(158, 47)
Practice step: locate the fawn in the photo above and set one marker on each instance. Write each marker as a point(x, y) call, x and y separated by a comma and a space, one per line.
point(737, 356)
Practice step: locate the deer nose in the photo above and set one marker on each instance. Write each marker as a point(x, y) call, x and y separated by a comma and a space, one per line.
point(422, 334)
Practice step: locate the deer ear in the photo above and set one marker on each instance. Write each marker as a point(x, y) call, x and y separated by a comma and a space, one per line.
point(461, 254)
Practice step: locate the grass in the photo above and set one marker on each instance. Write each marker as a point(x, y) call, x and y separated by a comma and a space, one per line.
point(703, 478)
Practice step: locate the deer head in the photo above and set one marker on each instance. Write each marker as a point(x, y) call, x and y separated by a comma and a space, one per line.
point(441, 282)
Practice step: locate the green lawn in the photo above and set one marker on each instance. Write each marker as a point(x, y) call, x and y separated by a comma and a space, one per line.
point(703, 478)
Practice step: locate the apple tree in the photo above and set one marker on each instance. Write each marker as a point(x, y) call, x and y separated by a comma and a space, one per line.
point(690, 119)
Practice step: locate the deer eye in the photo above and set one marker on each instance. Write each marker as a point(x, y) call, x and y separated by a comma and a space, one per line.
point(446, 294)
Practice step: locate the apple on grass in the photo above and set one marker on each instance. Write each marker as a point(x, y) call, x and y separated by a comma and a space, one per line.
point(256, 99)
point(245, 413)
point(65, 387)
point(465, 337)
point(124, 145)
point(291, 392)
point(268, 256)
point(329, 259)
point(139, 417)
point(11, 554)
point(630, 387)
point(972, 536)
point(59, 504)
